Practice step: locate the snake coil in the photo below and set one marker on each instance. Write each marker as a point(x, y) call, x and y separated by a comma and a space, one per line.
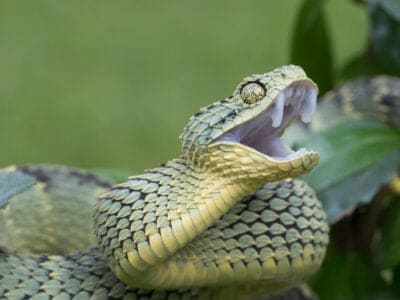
point(224, 218)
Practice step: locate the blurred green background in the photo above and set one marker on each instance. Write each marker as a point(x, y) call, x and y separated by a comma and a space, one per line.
point(110, 84)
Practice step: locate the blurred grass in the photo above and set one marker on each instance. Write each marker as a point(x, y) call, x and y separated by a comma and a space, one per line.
point(111, 84)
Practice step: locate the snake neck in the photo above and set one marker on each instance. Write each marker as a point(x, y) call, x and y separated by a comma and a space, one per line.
point(210, 188)
point(173, 204)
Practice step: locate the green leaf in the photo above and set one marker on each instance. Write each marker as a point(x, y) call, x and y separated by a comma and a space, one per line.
point(381, 54)
point(391, 7)
point(311, 47)
point(13, 183)
point(386, 247)
point(360, 188)
point(385, 34)
point(349, 276)
point(361, 65)
point(396, 279)
point(347, 149)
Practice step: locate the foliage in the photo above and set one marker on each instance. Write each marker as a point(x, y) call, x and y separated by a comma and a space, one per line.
point(381, 53)
point(359, 163)
point(311, 46)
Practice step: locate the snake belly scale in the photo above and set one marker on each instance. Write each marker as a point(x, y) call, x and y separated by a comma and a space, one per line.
point(226, 216)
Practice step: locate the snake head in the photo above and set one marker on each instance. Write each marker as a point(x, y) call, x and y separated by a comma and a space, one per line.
point(243, 131)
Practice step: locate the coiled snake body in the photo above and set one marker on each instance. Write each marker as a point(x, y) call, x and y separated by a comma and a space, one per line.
point(224, 217)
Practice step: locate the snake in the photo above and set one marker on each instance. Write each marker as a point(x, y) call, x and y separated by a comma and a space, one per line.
point(226, 219)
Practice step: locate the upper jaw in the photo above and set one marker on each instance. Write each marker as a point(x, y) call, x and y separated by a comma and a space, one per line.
point(262, 132)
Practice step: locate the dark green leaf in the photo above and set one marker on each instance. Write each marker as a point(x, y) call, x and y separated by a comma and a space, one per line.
point(311, 44)
point(12, 183)
point(382, 54)
point(396, 280)
point(385, 35)
point(349, 276)
point(347, 149)
point(386, 248)
point(361, 65)
point(391, 7)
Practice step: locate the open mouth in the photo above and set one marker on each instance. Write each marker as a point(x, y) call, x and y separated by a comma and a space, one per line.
point(263, 132)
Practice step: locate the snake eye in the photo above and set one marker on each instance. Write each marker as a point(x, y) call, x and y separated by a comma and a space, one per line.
point(252, 92)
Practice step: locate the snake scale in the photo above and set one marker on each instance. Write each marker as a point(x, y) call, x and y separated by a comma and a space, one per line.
point(224, 220)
